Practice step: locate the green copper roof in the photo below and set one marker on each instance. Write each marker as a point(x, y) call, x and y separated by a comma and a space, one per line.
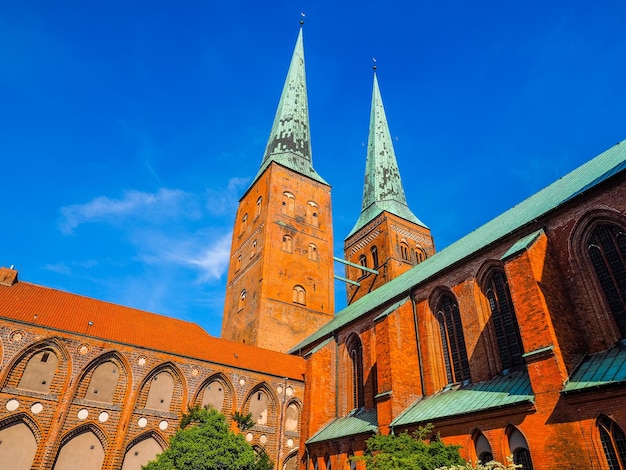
point(357, 422)
point(509, 390)
point(289, 144)
point(383, 189)
point(599, 370)
point(575, 183)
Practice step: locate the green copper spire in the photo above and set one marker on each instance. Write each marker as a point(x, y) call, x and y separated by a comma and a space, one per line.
point(289, 144)
point(383, 187)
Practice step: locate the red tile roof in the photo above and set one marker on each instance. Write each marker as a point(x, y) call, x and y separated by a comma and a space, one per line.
point(46, 307)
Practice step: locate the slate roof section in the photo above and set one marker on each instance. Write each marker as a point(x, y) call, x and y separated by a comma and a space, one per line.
point(502, 391)
point(65, 312)
point(382, 190)
point(596, 171)
point(598, 370)
point(289, 143)
point(358, 422)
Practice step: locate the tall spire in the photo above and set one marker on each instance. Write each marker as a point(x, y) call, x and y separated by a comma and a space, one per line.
point(289, 143)
point(383, 189)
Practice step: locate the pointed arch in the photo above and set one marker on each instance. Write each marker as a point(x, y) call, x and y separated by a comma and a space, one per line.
point(291, 461)
point(105, 378)
point(482, 447)
point(20, 436)
point(404, 250)
point(261, 402)
point(312, 253)
point(209, 394)
point(312, 214)
point(85, 444)
point(20, 376)
point(613, 440)
point(142, 449)
point(287, 243)
point(293, 410)
point(374, 253)
point(288, 205)
point(518, 447)
point(354, 387)
point(166, 394)
point(420, 254)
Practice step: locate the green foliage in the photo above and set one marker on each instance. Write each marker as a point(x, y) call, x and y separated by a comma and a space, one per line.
point(263, 462)
point(205, 442)
point(493, 465)
point(244, 422)
point(404, 451)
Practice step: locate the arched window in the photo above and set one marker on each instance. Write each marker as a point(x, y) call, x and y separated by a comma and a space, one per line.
point(17, 446)
point(254, 247)
point(327, 463)
point(312, 252)
point(363, 262)
point(161, 391)
point(299, 295)
point(452, 340)
point(213, 395)
point(291, 462)
point(259, 405)
point(85, 448)
point(613, 443)
point(312, 214)
point(404, 251)
point(244, 223)
point(420, 254)
point(606, 247)
point(238, 262)
point(39, 372)
point(289, 204)
point(287, 244)
point(504, 319)
point(103, 382)
point(242, 300)
point(374, 252)
point(291, 417)
point(519, 448)
point(482, 448)
point(355, 384)
point(257, 211)
point(141, 453)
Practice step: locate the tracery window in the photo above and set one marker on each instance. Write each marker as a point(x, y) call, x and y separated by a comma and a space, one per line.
point(299, 295)
point(287, 244)
point(452, 340)
point(482, 448)
point(606, 247)
point(355, 384)
point(504, 319)
point(420, 254)
point(519, 449)
point(374, 252)
point(613, 443)
point(289, 204)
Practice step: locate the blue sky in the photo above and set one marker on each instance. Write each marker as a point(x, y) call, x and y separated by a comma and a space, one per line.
point(128, 130)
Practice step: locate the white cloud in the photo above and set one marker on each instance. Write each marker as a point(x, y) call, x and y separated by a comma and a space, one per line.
point(164, 203)
point(224, 202)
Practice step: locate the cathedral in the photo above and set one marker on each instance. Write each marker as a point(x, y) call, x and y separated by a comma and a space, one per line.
point(510, 341)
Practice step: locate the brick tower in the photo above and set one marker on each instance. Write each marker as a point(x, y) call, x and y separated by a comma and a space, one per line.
point(280, 280)
point(387, 237)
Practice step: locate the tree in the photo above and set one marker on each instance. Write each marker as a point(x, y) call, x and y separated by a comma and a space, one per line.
point(244, 422)
point(404, 451)
point(493, 465)
point(205, 442)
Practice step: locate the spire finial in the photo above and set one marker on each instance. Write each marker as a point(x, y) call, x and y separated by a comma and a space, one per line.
point(302, 15)
point(374, 64)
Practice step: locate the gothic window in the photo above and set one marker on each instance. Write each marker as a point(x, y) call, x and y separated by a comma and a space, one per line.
point(299, 295)
point(291, 462)
point(288, 205)
point(85, 448)
point(161, 391)
point(291, 418)
point(519, 448)
point(404, 251)
point(103, 383)
point(327, 462)
point(259, 403)
point(254, 247)
point(244, 223)
point(312, 252)
point(141, 453)
point(17, 446)
point(39, 372)
point(287, 244)
point(452, 340)
point(607, 251)
point(355, 379)
point(482, 448)
point(363, 262)
point(213, 395)
point(504, 320)
point(257, 211)
point(242, 300)
point(312, 214)
point(613, 443)
point(420, 254)
point(238, 262)
point(374, 252)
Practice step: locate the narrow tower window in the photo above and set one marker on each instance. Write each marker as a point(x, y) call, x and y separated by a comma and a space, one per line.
point(257, 212)
point(242, 300)
point(452, 340)
point(312, 252)
point(355, 384)
point(374, 252)
point(363, 262)
point(287, 244)
point(420, 254)
point(404, 251)
point(312, 212)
